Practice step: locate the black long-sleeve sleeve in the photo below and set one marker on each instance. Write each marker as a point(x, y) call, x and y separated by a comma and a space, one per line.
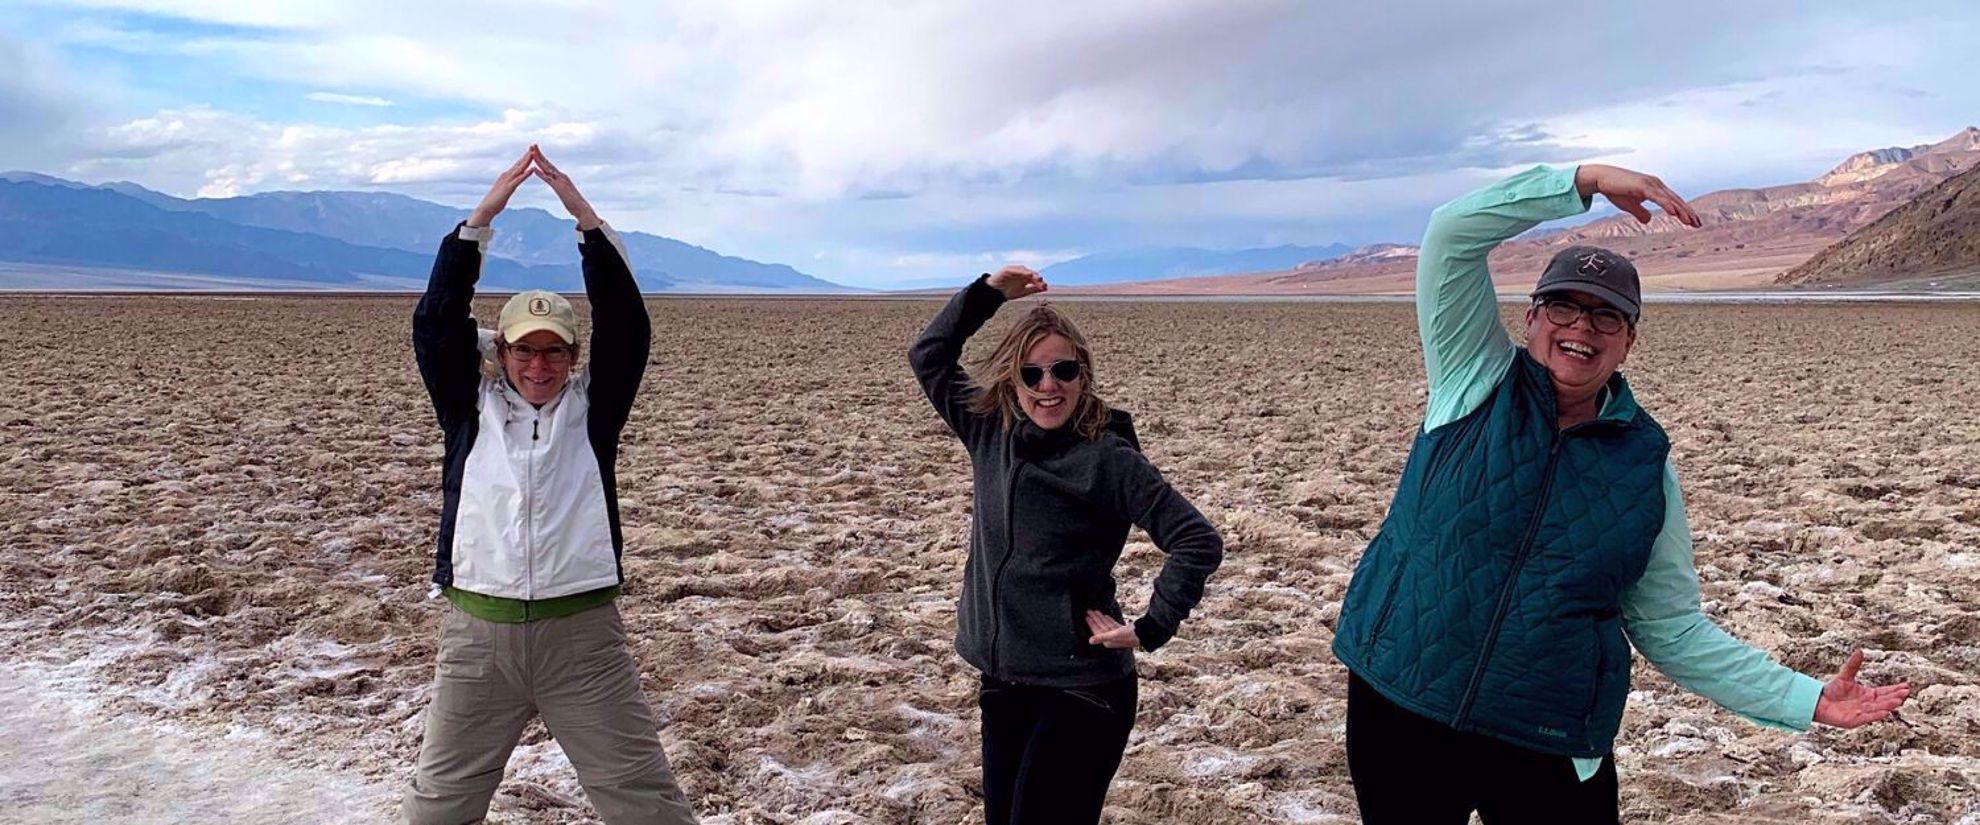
point(621, 329)
point(937, 357)
point(445, 342)
point(1194, 548)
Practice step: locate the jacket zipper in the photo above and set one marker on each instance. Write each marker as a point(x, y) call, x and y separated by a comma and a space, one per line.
point(529, 513)
point(1512, 580)
point(997, 578)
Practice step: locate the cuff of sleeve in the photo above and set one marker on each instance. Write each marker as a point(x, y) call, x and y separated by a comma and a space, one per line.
point(480, 235)
point(982, 285)
point(1152, 634)
point(601, 227)
point(1798, 709)
point(1557, 185)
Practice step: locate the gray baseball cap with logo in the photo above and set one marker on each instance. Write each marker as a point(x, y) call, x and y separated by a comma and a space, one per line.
point(1596, 271)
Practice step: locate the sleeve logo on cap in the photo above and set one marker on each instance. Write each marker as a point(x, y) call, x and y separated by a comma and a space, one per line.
point(1594, 264)
point(539, 306)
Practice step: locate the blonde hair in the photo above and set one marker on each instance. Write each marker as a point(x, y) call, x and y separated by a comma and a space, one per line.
point(996, 374)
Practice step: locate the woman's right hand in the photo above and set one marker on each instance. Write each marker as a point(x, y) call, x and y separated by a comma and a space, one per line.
point(498, 196)
point(1847, 703)
point(1628, 190)
point(1017, 282)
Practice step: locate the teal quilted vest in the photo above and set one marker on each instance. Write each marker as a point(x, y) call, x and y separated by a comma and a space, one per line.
point(1489, 600)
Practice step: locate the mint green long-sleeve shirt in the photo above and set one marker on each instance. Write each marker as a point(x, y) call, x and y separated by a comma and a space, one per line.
point(1466, 352)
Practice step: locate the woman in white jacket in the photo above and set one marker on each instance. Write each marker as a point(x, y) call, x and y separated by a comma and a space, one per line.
point(529, 540)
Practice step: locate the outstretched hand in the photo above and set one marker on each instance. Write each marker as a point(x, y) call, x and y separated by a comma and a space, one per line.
point(1109, 633)
point(1847, 703)
point(567, 192)
point(498, 196)
point(1628, 190)
point(1017, 282)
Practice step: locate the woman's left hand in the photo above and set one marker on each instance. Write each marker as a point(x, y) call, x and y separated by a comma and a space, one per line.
point(1846, 703)
point(567, 192)
point(1109, 633)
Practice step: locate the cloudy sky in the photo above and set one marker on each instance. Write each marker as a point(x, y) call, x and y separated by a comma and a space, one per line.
point(891, 143)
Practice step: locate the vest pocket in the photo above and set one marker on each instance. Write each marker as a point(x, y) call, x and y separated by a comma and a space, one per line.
point(1602, 629)
point(1388, 600)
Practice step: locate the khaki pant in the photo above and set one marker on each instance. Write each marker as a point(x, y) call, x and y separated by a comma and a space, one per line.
point(574, 670)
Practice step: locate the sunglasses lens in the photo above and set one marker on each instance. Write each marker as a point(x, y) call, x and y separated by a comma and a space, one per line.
point(1065, 370)
point(1031, 375)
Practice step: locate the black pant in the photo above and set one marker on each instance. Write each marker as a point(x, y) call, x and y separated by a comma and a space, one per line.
point(1409, 769)
point(1049, 753)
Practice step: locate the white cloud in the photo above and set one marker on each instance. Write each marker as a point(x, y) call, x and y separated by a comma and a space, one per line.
point(34, 109)
point(350, 100)
point(920, 134)
point(825, 100)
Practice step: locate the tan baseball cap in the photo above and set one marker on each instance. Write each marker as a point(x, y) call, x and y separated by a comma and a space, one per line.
point(538, 309)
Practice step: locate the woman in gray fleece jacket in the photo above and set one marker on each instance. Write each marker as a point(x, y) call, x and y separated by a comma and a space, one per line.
point(1059, 478)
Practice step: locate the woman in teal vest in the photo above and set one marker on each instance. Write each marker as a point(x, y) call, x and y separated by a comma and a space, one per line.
point(1537, 534)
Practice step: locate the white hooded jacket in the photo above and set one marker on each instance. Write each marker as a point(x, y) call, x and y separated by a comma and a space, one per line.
point(531, 506)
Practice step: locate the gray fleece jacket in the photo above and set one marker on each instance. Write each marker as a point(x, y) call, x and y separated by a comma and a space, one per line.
point(1052, 514)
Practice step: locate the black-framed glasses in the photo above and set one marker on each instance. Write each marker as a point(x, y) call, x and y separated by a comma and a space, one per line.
point(1562, 312)
point(1065, 370)
point(557, 354)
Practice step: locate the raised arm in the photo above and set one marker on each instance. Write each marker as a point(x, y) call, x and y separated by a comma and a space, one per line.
point(1662, 618)
point(621, 330)
point(1465, 347)
point(445, 343)
point(937, 356)
point(1194, 548)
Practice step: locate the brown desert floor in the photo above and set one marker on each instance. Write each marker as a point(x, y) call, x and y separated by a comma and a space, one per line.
point(217, 516)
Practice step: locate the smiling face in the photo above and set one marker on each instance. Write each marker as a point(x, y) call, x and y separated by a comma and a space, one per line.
point(1065, 399)
point(1578, 356)
point(1051, 402)
point(539, 378)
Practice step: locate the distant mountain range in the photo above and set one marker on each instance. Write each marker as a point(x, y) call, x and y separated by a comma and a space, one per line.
point(1750, 236)
point(57, 233)
point(1178, 262)
point(1936, 234)
point(352, 240)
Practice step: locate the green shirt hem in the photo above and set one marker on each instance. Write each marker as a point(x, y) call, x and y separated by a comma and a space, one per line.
point(517, 611)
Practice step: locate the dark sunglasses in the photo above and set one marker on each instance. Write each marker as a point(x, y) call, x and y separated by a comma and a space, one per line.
point(1065, 370)
point(1562, 312)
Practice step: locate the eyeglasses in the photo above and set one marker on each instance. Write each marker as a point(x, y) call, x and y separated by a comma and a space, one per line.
point(1064, 370)
point(556, 355)
point(1562, 312)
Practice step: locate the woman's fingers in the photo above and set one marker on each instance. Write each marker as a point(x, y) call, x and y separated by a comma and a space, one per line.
point(1108, 632)
point(1864, 716)
point(1850, 666)
point(545, 162)
point(522, 163)
point(1634, 207)
point(505, 186)
point(1102, 626)
point(1674, 206)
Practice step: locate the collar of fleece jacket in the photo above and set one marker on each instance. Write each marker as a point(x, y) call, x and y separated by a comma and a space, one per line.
point(1034, 441)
